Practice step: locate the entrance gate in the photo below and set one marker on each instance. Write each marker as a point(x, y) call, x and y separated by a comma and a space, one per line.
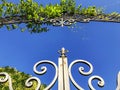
point(62, 73)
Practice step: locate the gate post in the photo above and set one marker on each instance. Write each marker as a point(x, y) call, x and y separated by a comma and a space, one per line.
point(63, 76)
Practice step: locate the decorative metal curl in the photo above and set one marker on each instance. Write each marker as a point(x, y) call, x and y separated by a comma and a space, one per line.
point(81, 70)
point(44, 69)
point(62, 22)
point(29, 82)
point(100, 83)
point(5, 79)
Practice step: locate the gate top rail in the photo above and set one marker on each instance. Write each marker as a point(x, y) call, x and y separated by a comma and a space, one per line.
point(62, 73)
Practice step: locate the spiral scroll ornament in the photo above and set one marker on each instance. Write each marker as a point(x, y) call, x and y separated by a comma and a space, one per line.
point(63, 72)
point(81, 70)
point(5, 78)
point(29, 82)
point(100, 82)
point(44, 69)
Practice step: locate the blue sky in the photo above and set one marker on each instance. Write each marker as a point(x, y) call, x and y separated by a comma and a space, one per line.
point(96, 42)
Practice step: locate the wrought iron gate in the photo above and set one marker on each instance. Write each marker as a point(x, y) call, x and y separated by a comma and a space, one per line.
point(62, 73)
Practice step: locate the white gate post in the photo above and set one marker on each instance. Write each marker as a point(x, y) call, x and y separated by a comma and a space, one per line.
point(63, 77)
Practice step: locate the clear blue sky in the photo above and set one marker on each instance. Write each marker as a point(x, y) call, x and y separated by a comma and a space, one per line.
point(96, 42)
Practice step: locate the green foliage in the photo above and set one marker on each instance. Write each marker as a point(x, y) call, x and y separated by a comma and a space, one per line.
point(52, 11)
point(33, 14)
point(35, 28)
point(71, 6)
point(68, 6)
point(114, 14)
point(33, 11)
point(29, 9)
point(78, 9)
point(18, 80)
point(90, 11)
point(8, 27)
point(14, 26)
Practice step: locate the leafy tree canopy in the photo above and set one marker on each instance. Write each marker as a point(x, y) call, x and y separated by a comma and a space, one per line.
point(18, 80)
point(34, 15)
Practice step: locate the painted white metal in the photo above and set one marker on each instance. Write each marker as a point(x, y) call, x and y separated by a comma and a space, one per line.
point(118, 82)
point(29, 82)
point(62, 73)
point(100, 82)
point(5, 79)
point(66, 76)
point(44, 70)
point(81, 70)
point(63, 77)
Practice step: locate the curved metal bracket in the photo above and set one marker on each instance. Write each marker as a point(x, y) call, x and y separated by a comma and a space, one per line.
point(6, 78)
point(44, 69)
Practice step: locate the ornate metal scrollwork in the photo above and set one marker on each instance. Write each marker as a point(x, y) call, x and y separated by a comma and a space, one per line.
point(44, 69)
point(64, 74)
point(100, 83)
point(6, 78)
point(62, 22)
point(29, 82)
point(81, 70)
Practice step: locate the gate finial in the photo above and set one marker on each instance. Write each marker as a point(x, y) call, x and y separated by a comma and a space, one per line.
point(63, 52)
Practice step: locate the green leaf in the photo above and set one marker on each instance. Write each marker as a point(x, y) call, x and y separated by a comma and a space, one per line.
point(41, 18)
point(29, 17)
point(23, 29)
point(14, 26)
point(8, 27)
